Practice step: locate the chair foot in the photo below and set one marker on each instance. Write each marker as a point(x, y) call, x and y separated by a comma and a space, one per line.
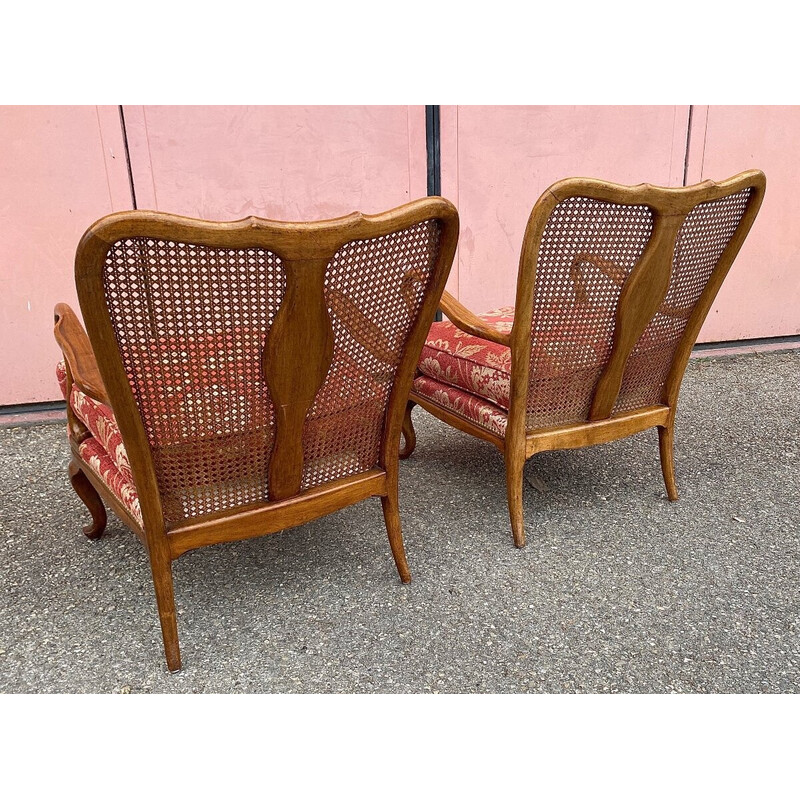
point(409, 436)
point(515, 464)
point(666, 446)
point(165, 600)
point(391, 515)
point(91, 499)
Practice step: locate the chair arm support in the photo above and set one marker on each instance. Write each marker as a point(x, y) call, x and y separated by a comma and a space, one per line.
point(471, 323)
point(78, 353)
point(614, 273)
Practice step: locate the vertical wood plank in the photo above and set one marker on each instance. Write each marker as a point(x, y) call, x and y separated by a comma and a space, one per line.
point(296, 359)
point(643, 292)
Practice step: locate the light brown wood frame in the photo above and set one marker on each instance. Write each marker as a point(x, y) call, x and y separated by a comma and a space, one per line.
point(642, 295)
point(301, 335)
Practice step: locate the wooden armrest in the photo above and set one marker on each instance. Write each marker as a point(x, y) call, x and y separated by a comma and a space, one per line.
point(78, 353)
point(361, 327)
point(611, 270)
point(471, 323)
point(614, 273)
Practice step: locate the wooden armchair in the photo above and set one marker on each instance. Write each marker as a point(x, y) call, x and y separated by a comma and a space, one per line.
point(242, 378)
point(614, 285)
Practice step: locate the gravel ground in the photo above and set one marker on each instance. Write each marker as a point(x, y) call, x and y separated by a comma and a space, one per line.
point(618, 590)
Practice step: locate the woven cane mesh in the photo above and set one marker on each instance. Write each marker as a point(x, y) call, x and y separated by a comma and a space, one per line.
point(701, 241)
point(572, 331)
point(190, 323)
point(374, 289)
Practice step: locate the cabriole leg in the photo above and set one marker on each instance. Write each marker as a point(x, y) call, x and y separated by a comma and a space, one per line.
point(409, 436)
point(391, 515)
point(666, 447)
point(91, 499)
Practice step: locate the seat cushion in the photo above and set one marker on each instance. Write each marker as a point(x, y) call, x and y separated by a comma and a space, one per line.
point(96, 456)
point(463, 404)
point(341, 437)
point(483, 368)
point(568, 355)
point(467, 362)
point(100, 420)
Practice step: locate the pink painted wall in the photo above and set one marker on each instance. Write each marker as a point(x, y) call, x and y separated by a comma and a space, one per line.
point(290, 162)
point(761, 295)
point(62, 167)
point(497, 161)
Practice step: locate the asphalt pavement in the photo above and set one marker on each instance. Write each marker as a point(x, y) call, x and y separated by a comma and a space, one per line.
point(617, 590)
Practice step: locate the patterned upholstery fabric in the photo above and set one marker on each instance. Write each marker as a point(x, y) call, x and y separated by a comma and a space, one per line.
point(96, 456)
point(468, 376)
point(484, 368)
point(103, 451)
point(353, 391)
point(61, 376)
point(99, 419)
point(463, 404)
point(471, 377)
point(475, 365)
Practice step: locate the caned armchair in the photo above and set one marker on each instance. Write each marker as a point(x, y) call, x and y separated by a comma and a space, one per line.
point(613, 287)
point(242, 378)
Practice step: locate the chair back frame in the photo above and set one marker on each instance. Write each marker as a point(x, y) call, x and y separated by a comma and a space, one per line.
point(301, 334)
point(643, 293)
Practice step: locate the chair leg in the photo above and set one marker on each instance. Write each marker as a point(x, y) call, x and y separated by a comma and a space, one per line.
point(409, 436)
point(391, 515)
point(515, 463)
point(91, 499)
point(165, 599)
point(666, 446)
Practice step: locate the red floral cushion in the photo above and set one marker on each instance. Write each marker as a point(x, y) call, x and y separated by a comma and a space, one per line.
point(484, 368)
point(61, 377)
point(476, 365)
point(333, 445)
point(569, 350)
point(99, 419)
point(192, 385)
point(463, 404)
point(103, 451)
point(95, 455)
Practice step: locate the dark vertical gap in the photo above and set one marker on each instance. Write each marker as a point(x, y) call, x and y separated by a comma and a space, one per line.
point(688, 142)
point(433, 147)
point(127, 156)
point(434, 153)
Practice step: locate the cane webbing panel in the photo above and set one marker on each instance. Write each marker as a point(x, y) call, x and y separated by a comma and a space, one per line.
point(588, 250)
point(585, 320)
point(190, 322)
point(701, 241)
point(374, 289)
